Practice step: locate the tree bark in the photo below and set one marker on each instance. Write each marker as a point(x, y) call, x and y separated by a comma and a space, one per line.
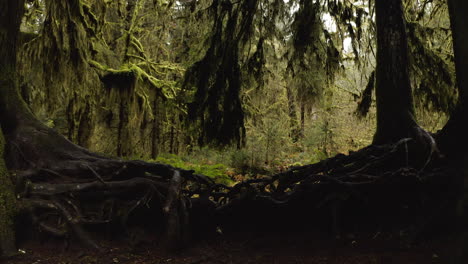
point(293, 123)
point(12, 109)
point(452, 139)
point(19, 124)
point(7, 207)
point(393, 90)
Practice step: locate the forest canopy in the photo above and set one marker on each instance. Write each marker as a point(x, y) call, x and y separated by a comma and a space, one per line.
point(258, 74)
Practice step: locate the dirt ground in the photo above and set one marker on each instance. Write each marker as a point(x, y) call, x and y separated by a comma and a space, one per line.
point(246, 248)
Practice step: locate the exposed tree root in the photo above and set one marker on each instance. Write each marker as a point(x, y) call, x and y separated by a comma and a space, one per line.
point(69, 190)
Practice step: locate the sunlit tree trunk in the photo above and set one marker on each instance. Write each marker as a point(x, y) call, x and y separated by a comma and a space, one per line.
point(393, 90)
point(12, 110)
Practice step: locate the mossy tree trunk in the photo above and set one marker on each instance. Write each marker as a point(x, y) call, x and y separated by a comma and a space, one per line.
point(12, 111)
point(393, 90)
point(49, 169)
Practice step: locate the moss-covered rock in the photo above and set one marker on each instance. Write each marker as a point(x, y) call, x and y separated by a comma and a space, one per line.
point(7, 207)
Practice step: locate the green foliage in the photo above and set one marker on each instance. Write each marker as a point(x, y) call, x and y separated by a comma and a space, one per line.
point(281, 79)
point(241, 160)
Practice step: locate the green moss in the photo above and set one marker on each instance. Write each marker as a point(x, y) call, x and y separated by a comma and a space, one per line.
point(218, 172)
point(7, 207)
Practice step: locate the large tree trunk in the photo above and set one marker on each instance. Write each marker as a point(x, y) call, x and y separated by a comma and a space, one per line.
point(53, 174)
point(7, 208)
point(453, 138)
point(12, 108)
point(10, 112)
point(393, 91)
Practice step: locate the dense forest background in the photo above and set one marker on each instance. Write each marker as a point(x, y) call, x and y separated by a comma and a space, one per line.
point(256, 85)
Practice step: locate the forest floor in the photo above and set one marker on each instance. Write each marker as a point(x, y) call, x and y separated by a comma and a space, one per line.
point(248, 248)
point(277, 246)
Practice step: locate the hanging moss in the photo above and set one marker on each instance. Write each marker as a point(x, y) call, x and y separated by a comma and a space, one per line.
point(366, 98)
point(121, 80)
point(217, 78)
point(84, 43)
point(255, 66)
point(313, 59)
point(7, 207)
point(433, 75)
point(306, 29)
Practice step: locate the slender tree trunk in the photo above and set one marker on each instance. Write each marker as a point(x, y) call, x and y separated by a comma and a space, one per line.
point(393, 90)
point(85, 127)
point(11, 12)
point(172, 136)
point(155, 132)
point(122, 131)
point(301, 135)
point(293, 124)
